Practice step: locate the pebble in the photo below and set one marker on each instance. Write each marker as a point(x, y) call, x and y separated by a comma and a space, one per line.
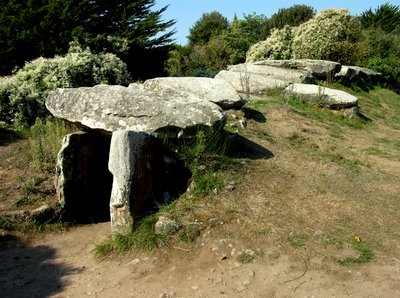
point(195, 288)
point(252, 273)
point(133, 262)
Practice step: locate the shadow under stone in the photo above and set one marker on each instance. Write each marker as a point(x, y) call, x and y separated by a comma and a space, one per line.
point(84, 182)
point(240, 147)
point(254, 115)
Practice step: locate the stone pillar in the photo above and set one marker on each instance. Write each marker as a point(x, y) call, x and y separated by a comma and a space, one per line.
point(125, 152)
point(145, 174)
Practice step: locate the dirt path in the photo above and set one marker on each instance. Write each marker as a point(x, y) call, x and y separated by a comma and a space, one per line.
point(62, 265)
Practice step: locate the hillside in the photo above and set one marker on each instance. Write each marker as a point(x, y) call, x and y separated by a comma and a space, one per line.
point(320, 216)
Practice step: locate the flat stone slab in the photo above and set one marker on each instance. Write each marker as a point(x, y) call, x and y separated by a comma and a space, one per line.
point(112, 108)
point(331, 98)
point(317, 68)
point(250, 83)
point(355, 73)
point(285, 74)
point(216, 91)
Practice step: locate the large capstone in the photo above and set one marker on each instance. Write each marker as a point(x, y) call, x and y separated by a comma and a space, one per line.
point(217, 91)
point(112, 108)
point(145, 174)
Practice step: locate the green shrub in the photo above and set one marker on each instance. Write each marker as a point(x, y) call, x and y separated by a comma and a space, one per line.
point(390, 68)
point(330, 35)
point(22, 95)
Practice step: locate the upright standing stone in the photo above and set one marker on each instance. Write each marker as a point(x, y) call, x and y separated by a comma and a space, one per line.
point(145, 174)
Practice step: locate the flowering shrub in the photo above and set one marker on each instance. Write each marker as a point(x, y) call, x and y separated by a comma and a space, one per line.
point(330, 35)
point(22, 95)
point(277, 46)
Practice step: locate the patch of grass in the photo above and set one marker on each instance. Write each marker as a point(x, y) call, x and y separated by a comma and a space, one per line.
point(246, 257)
point(26, 201)
point(189, 233)
point(374, 151)
point(205, 156)
point(143, 237)
point(298, 240)
point(296, 140)
point(45, 139)
point(315, 112)
point(338, 158)
point(5, 224)
point(365, 253)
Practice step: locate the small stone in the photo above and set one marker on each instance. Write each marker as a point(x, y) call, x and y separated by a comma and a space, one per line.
point(166, 226)
point(233, 252)
point(134, 262)
point(195, 288)
point(241, 288)
point(246, 283)
point(252, 273)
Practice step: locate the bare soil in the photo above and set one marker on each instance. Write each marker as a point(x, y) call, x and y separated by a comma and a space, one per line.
point(297, 213)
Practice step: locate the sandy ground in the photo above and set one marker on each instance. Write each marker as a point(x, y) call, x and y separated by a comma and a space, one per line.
point(63, 265)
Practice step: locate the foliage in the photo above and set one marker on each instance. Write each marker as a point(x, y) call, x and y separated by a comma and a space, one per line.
point(241, 34)
point(23, 94)
point(209, 24)
point(389, 67)
point(178, 62)
point(292, 16)
point(211, 56)
point(330, 35)
point(386, 17)
point(45, 142)
point(204, 156)
point(129, 29)
point(277, 46)
point(198, 59)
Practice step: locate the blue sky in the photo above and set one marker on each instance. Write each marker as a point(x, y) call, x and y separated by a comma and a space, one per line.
point(187, 12)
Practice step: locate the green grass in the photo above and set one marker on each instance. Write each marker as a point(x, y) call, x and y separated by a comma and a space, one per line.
point(143, 238)
point(365, 253)
point(189, 233)
point(45, 138)
point(298, 240)
point(246, 257)
point(339, 237)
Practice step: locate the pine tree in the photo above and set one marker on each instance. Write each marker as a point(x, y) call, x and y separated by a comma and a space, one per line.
point(130, 29)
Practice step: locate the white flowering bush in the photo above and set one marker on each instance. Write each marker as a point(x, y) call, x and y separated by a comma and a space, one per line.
point(329, 35)
point(277, 46)
point(22, 95)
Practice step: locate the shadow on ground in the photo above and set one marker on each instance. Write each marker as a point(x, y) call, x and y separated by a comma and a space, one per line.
point(30, 271)
point(240, 147)
point(8, 136)
point(255, 115)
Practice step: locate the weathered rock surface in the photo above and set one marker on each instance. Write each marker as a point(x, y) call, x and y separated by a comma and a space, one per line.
point(83, 182)
point(112, 108)
point(358, 74)
point(216, 91)
point(320, 69)
point(144, 173)
point(250, 83)
point(166, 226)
point(331, 98)
point(284, 74)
